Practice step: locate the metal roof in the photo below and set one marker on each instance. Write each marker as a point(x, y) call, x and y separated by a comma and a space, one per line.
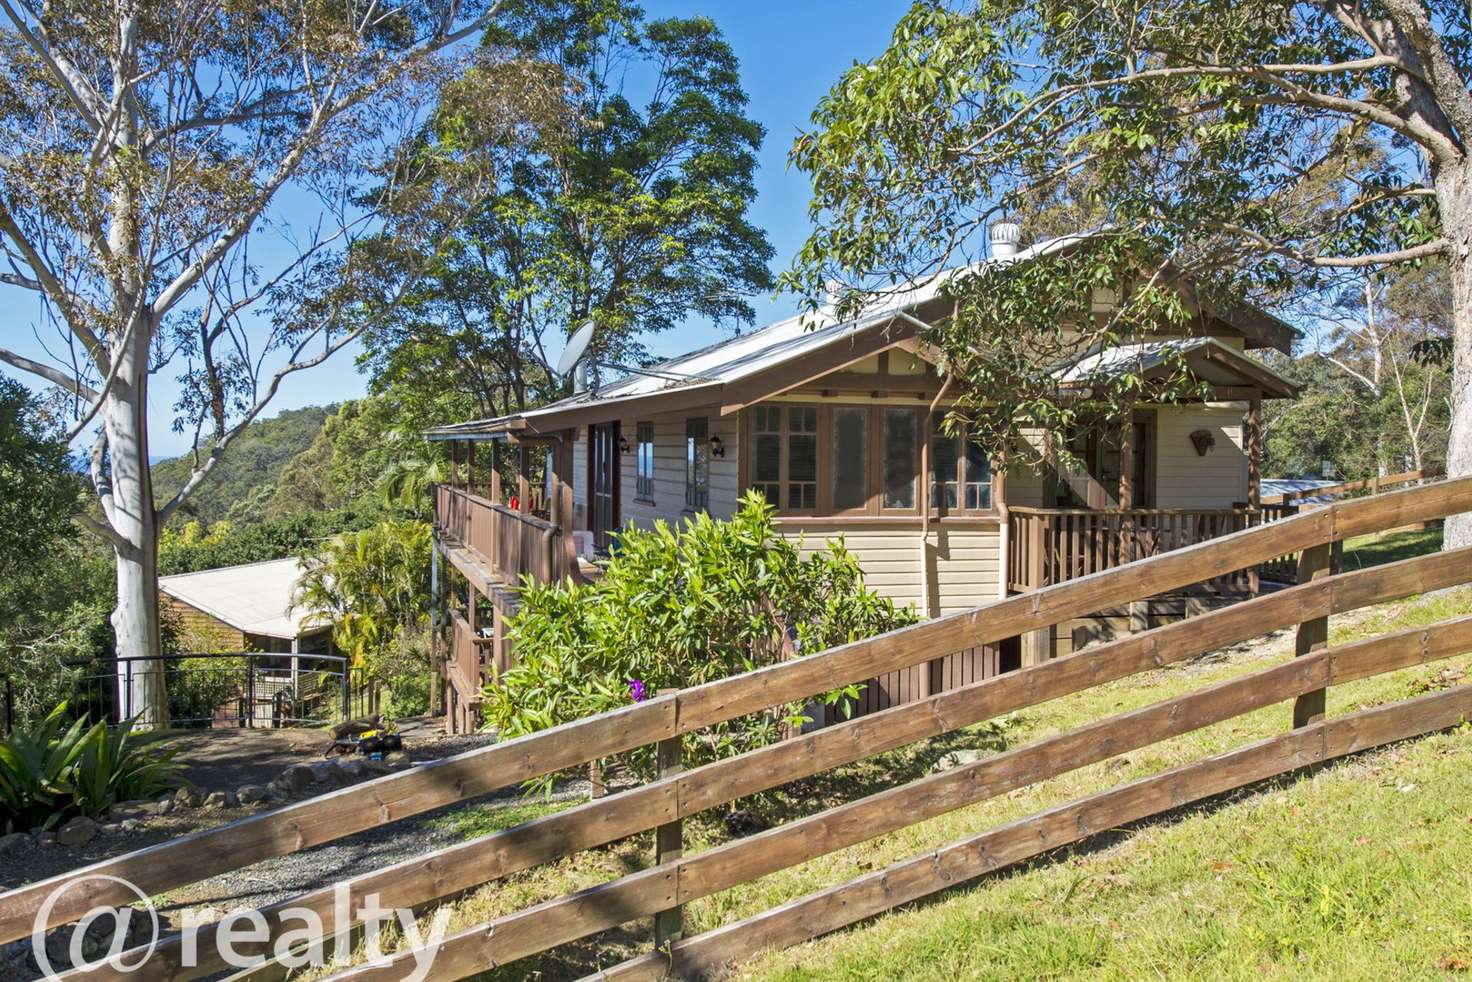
point(748, 355)
point(1211, 360)
point(254, 598)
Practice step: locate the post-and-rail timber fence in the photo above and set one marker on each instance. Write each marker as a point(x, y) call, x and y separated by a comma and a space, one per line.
point(659, 890)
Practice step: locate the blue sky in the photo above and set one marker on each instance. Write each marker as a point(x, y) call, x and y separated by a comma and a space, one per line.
point(791, 53)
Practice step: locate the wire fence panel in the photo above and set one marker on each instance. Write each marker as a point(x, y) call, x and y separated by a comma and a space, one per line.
point(240, 689)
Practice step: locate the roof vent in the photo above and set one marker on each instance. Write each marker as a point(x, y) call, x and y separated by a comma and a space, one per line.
point(1005, 237)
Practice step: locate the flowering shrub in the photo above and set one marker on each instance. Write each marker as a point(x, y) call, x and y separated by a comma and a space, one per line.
point(678, 607)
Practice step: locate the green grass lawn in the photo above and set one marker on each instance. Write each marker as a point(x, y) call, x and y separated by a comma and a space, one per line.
point(1372, 550)
point(1362, 869)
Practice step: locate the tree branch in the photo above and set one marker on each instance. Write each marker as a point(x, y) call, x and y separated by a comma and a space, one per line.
point(53, 375)
point(71, 82)
point(104, 531)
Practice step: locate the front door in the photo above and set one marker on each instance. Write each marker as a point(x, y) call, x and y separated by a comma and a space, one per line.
point(603, 471)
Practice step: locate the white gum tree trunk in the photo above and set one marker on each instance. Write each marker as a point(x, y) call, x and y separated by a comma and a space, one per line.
point(134, 518)
point(1454, 194)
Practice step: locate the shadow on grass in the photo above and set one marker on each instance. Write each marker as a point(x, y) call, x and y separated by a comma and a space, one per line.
point(632, 940)
point(1377, 550)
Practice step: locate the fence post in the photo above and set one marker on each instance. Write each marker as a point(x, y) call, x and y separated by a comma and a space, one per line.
point(250, 690)
point(127, 694)
point(669, 844)
point(347, 692)
point(1314, 563)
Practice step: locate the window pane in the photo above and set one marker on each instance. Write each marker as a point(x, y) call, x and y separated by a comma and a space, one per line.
point(945, 454)
point(803, 419)
point(978, 477)
point(697, 467)
point(766, 465)
point(850, 457)
point(644, 461)
point(899, 458)
point(766, 458)
point(802, 470)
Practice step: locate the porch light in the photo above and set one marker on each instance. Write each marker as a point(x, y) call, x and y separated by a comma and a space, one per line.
point(623, 444)
point(717, 448)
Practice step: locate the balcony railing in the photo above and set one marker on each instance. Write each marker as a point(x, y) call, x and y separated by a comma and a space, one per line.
point(1053, 545)
point(512, 544)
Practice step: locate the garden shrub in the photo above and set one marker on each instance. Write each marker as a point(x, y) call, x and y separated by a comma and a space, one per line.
point(678, 607)
point(59, 767)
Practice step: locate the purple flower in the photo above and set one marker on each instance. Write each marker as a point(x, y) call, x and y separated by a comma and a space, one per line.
point(636, 689)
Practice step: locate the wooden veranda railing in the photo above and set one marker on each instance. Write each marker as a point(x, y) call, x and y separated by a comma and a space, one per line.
point(510, 543)
point(1053, 545)
point(675, 879)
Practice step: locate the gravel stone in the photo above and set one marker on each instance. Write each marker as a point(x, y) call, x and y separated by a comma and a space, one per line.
point(249, 794)
point(297, 777)
point(325, 772)
point(221, 799)
point(78, 832)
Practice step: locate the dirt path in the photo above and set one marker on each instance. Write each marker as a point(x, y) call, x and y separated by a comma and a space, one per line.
point(218, 759)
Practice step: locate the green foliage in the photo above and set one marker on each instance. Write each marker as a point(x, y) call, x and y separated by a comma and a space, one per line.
point(678, 607)
point(632, 213)
point(40, 493)
point(374, 587)
point(1012, 326)
point(1358, 432)
point(55, 583)
point(255, 459)
point(59, 767)
point(119, 765)
point(191, 547)
point(372, 584)
point(1172, 129)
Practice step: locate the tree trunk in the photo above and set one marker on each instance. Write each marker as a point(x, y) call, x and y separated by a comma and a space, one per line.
point(135, 620)
point(1454, 194)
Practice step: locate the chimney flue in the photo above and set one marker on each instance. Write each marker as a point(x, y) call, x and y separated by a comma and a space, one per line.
point(1004, 238)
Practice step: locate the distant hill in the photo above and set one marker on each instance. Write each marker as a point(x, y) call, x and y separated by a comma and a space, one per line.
point(246, 478)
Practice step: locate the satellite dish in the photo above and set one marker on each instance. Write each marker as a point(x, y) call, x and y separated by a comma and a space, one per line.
point(577, 346)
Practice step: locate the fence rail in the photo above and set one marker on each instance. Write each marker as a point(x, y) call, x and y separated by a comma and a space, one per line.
point(674, 796)
point(1372, 484)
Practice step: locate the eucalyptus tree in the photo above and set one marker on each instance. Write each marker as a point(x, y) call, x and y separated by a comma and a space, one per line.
point(633, 215)
point(221, 189)
point(1246, 145)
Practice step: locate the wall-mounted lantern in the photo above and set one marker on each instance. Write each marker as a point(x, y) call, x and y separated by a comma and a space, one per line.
point(623, 444)
point(717, 448)
point(1202, 440)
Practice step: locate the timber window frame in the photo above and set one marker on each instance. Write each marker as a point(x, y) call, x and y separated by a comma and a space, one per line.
point(893, 440)
point(963, 481)
point(784, 450)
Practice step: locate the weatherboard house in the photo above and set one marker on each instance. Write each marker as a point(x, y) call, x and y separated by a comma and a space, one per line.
point(838, 425)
